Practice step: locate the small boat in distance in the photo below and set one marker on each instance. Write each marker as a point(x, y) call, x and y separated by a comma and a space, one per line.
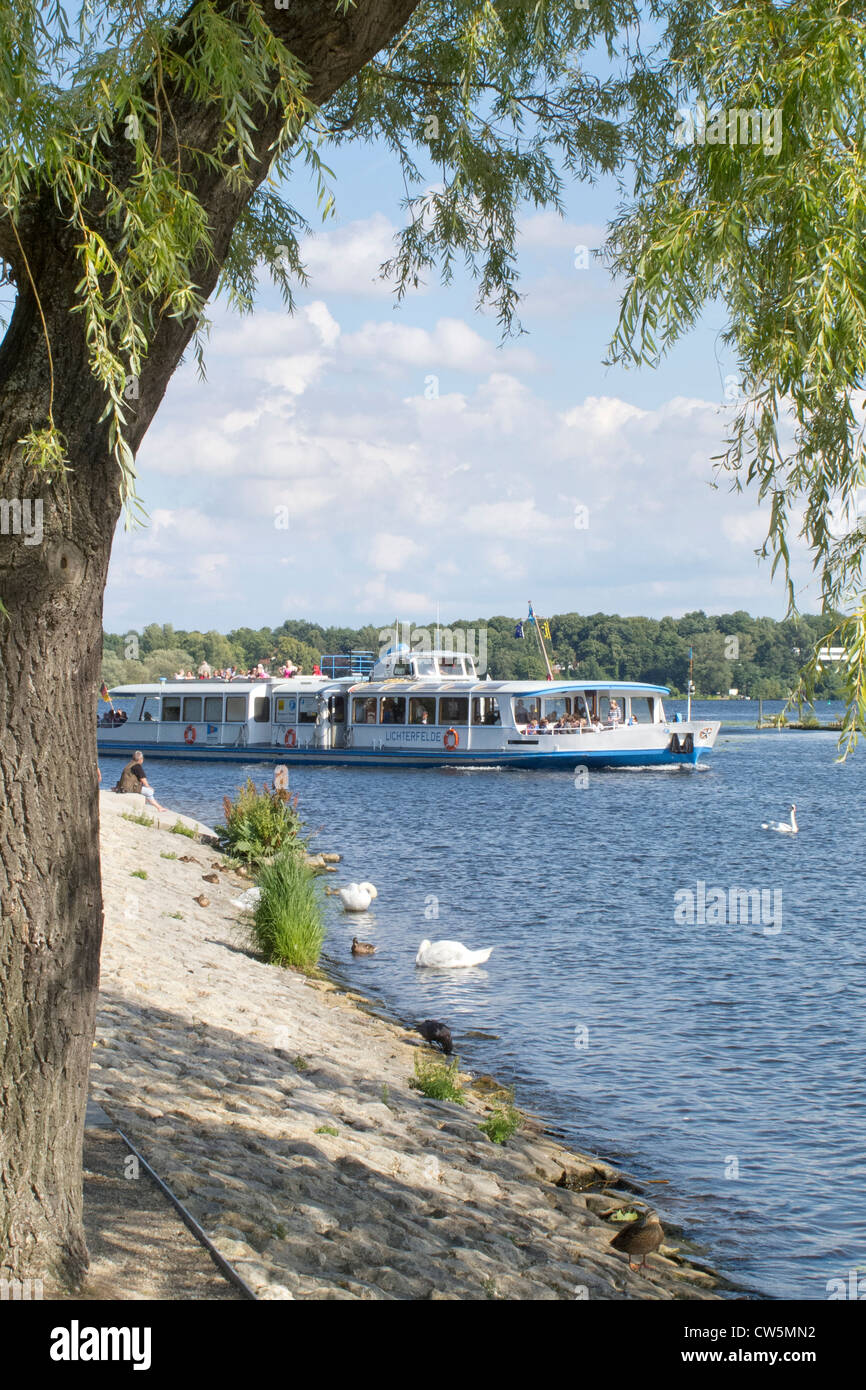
point(408, 709)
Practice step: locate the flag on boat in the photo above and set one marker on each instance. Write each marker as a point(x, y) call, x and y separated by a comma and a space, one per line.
point(518, 631)
point(545, 628)
point(103, 690)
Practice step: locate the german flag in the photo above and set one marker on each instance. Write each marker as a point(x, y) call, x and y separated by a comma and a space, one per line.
point(103, 690)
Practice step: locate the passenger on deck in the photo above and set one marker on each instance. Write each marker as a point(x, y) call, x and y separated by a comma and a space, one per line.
point(615, 714)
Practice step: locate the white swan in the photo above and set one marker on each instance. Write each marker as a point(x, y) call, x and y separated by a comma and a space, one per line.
point(784, 827)
point(449, 955)
point(356, 897)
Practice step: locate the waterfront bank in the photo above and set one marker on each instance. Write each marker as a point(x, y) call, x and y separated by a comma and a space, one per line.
point(279, 1111)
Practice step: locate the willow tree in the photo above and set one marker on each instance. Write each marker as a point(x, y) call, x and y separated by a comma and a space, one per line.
point(757, 204)
point(147, 156)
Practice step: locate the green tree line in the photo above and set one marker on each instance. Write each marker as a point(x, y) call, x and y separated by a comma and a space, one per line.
point(759, 657)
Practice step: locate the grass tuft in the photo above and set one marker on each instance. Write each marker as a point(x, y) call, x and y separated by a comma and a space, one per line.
point(137, 818)
point(179, 829)
point(328, 1129)
point(167, 854)
point(437, 1080)
point(138, 873)
point(503, 1121)
point(288, 926)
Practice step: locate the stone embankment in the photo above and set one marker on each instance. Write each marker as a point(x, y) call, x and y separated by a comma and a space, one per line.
point(280, 1113)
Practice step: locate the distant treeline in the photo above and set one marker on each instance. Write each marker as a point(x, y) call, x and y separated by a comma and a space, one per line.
point(757, 656)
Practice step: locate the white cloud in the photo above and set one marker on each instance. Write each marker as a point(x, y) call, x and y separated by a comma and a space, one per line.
point(452, 344)
point(396, 500)
point(348, 259)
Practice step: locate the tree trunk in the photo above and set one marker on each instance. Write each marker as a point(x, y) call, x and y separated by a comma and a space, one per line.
point(50, 647)
point(53, 565)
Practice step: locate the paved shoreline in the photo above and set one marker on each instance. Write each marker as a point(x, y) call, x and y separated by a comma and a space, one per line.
point(280, 1113)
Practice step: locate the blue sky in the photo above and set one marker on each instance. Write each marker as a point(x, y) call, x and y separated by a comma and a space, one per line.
point(360, 460)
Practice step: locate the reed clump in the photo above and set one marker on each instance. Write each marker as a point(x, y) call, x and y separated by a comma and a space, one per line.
point(288, 924)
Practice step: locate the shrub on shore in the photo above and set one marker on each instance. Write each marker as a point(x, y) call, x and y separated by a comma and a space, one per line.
point(288, 926)
point(259, 824)
point(437, 1080)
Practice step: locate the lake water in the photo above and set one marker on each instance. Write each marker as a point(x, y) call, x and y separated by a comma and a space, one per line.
point(724, 1056)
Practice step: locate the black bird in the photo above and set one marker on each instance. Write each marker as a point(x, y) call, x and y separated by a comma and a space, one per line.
point(435, 1032)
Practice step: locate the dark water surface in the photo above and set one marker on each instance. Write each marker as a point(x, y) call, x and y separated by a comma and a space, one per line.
point(726, 1057)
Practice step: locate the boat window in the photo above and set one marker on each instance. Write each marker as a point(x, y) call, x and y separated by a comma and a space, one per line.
point(393, 709)
point(401, 668)
point(557, 708)
point(526, 708)
point(650, 708)
point(338, 709)
point(285, 709)
point(236, 709)
point(261, 709)
point(451, 666)
point(425, 666)
point(171, 709)
point(150, 709)
point(124, 706)
point(581, 707)
point(364, 711)
point(422, 710)
point(307, 708)
point(213, 709)
point(485, 710)
point(454, 709)
point(192, 707)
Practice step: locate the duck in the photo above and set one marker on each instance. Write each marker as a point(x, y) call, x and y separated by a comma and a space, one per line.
point(438, 1033)
point(362, 948)
point(639, 1237)
point(450, 955)
point(356, 897)
point(784, 827)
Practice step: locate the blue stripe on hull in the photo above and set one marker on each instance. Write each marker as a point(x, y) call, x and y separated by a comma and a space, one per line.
point(347, 757)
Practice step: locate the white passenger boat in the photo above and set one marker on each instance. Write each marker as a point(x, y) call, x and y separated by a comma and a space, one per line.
point(416, 709)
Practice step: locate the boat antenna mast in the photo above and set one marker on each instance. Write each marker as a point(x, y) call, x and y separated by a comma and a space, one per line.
point(536, 623)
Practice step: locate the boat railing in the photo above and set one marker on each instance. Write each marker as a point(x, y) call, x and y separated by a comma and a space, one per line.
point(342, 664)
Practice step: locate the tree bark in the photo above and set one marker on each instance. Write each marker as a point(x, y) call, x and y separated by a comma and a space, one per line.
point(50, 647)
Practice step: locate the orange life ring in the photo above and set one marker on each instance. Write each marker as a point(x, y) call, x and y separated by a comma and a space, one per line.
point(451, 739)
point(189, 734)
point(290, 739)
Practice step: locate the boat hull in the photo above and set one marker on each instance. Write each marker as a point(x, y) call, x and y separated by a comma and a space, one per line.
point(560, 759)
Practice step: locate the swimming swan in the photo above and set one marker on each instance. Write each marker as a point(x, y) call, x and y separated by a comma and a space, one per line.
point(449, 955)
point(357, 896)
point(784, 827)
